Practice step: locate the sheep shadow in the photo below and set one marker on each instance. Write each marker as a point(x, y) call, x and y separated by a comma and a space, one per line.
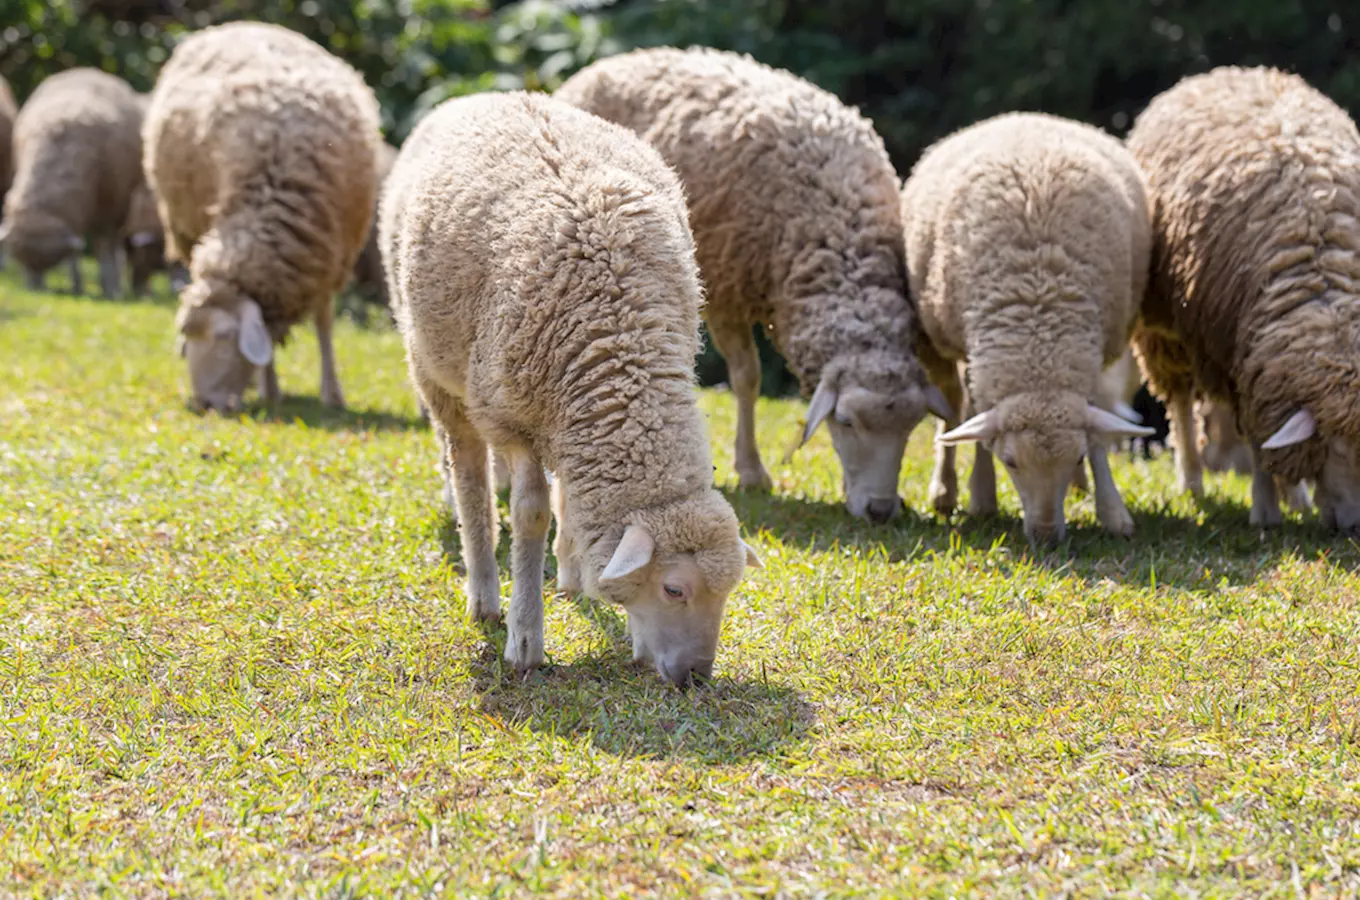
point(294, 408)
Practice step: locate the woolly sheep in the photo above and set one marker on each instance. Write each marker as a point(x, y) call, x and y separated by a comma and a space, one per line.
point(261, 148)
point(543, 277)
point(1255, 181)
point(1027, 246)
point(369, 279)
point(8, 110)
point(77, 160)
point(793, 202)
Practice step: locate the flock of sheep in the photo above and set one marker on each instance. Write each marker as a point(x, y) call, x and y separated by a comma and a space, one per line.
point(548, 259)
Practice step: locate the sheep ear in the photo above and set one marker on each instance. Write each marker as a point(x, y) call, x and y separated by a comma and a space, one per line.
point(937, 404)
point(752, 559)
point(634, 552)
point(1300, 427)
point(254, 341)
point(1102, 421)
point(822, 405)
point(978, 428)
point(1124, 411)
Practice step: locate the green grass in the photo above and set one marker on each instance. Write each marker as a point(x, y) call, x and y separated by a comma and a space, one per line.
point(233, 661)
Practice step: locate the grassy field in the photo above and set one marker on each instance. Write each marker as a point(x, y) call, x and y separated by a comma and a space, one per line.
point(233, 661)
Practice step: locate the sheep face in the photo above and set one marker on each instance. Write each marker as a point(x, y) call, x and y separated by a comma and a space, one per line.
point(672, 576)
point(1338, 487)
point(1219, 445)
point(869, 429)
point(40, 241)
point(224, 346)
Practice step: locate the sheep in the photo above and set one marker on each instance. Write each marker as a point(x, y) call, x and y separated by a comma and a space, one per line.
point(1254, 178)
point(542, 275)
point(1027, 246)
point(369, 279)
point(8, 110)
point(1221, 448)
point(261, 148)
point(793, 202)
point(77, 153)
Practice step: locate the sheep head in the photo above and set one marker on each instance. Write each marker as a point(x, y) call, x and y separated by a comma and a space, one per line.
point(224, 340)
point(870, 407)
point(672, 570)
point(1040, 439)
point(39, 240)
point(1337, 494)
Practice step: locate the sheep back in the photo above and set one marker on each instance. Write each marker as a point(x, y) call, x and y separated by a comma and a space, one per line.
point(792, 199)
point(1254, 178)
point(77, 158)
point(1027, 241)
point(261, 148)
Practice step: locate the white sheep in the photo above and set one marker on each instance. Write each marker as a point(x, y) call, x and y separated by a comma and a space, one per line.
point(1255, 180)
point(543, 277)
point(793, 202)
point(261, 149)
point(1027, 247)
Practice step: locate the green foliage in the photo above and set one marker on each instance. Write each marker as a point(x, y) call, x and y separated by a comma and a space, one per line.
point(235, 662)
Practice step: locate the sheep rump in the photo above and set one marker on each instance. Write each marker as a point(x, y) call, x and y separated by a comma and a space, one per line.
point(1027, 243)
point(261, 148)
point(542, 275)
point(1255, 183)
point(793, 202)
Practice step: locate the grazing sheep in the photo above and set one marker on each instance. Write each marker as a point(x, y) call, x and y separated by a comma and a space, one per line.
point(261, 148)
point(543, 277)
point(1027, 247)
point(369, 279)
point(794, 207)
point(1221, 448)
point(8, 110)
point(77, 162)
point(1254, 179)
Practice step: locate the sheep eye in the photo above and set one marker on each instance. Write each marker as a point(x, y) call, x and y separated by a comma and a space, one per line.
point(842, 420)
point(674, 593)
point(1008, 461)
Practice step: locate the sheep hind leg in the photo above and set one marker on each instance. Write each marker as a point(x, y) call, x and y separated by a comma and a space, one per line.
point(77, 280)
point(944, 480)
point(982, 484)
point(269, 384)
point(738, 348)
point(468, 456)
point(564, 546)
point(1189, 466)
point(529, 518)
point(1265, 500)
point(1110, 509)
point(331, 395)
point(111, 256)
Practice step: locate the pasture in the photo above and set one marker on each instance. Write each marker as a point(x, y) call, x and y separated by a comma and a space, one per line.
point(234, 662)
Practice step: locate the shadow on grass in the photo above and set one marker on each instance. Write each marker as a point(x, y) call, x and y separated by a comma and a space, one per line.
point(1218, 547)
point(308, 410)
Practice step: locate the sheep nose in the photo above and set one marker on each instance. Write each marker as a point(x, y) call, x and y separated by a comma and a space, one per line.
point(881, 509)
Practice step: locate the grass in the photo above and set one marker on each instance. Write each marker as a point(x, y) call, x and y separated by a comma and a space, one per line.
point(233, 662)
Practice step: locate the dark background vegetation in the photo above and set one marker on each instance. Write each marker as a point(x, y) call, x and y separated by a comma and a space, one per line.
point(918, 68)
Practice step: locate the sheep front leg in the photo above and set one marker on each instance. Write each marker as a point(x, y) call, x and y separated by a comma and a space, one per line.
point(35, 280)
point(269, 384)
point(1265, 500)
point(1110, 508)
point(564, 545)
point(738, 348)
point(529, 517)
point(331, 395)
point(1184, 436)
point(982, 484)
point(944, 480)
point(77, 280)
point(111, 255)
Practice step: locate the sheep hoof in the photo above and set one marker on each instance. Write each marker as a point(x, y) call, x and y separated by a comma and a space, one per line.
point(943, 500)
point(1118, 522)
point(333, 398)
point(486, 610)
point(756, 479)
point(1266, 515)
point(524, 653)
point(1191, 484)
point(982, 507)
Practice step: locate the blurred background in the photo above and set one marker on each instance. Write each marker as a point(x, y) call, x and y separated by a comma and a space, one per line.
point(919, 68)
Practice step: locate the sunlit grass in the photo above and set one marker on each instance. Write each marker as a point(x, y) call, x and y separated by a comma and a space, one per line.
point(233, 661)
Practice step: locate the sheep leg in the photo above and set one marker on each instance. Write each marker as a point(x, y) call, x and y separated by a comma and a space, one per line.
point(1295, 495)
point(269, 384)
point(564, 545)
point(468, 456)
point(331, 395)
point(982, 484)
point(944, 480)
point(77, 281)
point(35, 280)
point(1265, 500)
point(529, 517)
point(501, 467)
point(738, 349)
point(1110, 508)
point(110, 253)
point(1189, 467)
